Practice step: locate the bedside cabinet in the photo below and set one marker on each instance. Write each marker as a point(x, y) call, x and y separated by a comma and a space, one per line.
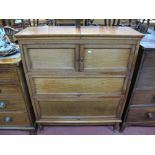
point(78, 76)
point(15, 105)
point(141, 101)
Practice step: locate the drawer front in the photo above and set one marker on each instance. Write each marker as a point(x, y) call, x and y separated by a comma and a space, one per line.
point(8, 74)
point(9, 90)
point(105, 108)
point(143, 97)
point(149, 59)
point(146, 78)
point(14, 119)
point(12, 104)
point(110, 60)
point(78, 85)
point(141, 114)
point(53, 58)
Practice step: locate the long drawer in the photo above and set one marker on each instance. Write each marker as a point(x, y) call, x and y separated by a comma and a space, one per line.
point(14, 119)
point(77, 85)
point(141, 114)
point(12, 105)
point(108, 107)
point(143, 97)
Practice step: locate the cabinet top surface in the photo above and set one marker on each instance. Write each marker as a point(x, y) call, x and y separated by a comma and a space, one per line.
point(49, 31)
point(148, 42)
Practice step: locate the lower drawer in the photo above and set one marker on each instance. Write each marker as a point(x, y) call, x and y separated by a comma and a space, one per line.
point(14, 119)
point(143, 114)
point(12, 104)
point(105, 108)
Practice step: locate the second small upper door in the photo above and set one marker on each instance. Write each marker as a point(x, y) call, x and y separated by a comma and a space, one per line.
point(104, 59)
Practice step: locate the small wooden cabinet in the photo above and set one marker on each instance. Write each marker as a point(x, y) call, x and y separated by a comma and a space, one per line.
point(140, 110)
point(78, 75)
point(15, 105)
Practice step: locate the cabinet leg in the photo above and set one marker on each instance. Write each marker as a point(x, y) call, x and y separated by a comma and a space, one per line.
point(40, 127)
point(116, 127)
point(122, 128)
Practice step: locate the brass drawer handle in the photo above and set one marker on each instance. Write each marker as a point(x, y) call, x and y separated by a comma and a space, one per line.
point(8, 119)
point(150, 115)
point(2, 105)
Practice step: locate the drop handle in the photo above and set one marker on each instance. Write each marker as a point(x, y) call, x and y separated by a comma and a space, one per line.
point(2, 105)
point(150, 115)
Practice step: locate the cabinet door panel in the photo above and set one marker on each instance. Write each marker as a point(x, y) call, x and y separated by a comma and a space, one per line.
point(53, 58)
point(108, 60)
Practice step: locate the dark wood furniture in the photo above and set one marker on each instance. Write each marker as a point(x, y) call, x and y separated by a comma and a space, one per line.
point(15, 105)
point(141, 100)
point(78, 76)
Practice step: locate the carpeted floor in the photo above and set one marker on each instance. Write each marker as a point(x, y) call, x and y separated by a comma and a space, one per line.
point(85, 130)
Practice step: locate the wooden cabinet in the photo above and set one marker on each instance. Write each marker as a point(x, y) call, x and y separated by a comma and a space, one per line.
point(15, 105)
point(140, 110)
point(78, 75)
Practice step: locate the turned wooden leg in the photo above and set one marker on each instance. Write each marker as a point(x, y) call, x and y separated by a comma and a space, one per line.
point(116, 127)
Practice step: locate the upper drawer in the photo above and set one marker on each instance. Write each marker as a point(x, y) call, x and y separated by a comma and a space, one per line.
point(143, 97)
point(149, 59)
point(8, 74)
point(10, 90)
point(51, 57)
point(146, 78)
point(104, 59)
point(78, 85)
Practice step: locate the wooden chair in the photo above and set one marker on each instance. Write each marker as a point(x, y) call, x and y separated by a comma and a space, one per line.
point(10, 32)
point(110, 22)
point(143, 25)
point(104, 22)
point(68, 22)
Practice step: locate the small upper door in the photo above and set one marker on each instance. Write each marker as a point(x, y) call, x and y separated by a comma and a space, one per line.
point(52, 57)
point(104, 59)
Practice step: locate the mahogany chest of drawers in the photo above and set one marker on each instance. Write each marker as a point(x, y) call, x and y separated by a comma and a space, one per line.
point(15, 106)
point(141, 101)
point(78, 76)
